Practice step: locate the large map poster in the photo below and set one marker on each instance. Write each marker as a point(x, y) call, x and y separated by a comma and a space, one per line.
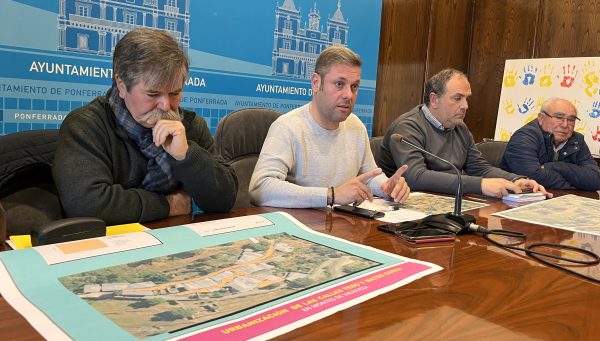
point(238, 278)
point(527, 83)
point(55, 55)
point(564, 212)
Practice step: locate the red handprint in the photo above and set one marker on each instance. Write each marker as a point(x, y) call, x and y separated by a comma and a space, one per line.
point(569, 75)
point(596, 135)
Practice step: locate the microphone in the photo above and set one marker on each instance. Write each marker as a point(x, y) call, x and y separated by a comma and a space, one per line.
point(455, 222)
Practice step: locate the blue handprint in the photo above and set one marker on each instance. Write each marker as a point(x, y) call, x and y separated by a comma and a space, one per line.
point(529, 74)
point(525, 106)
point(595, 112)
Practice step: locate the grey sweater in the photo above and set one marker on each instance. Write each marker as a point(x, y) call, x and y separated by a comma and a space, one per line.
point(98, 170)
point(300, 160)
point(426, 173)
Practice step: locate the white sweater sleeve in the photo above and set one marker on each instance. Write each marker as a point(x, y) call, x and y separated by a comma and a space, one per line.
point(269, 185)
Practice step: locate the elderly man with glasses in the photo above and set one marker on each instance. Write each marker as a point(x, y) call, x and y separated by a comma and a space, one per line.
point(549, 151)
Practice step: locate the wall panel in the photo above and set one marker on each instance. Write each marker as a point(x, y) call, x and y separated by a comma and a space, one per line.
point(449, 36)
point(501, 30)
point(402, 57)
point(569, 29)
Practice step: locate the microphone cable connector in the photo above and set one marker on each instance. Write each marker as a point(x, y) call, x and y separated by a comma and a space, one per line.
point(477, 228)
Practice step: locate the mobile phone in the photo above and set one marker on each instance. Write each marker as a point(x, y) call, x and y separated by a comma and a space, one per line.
point(363, 212)
point(425, 235)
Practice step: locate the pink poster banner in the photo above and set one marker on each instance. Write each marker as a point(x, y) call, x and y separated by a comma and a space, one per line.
point(290, 315)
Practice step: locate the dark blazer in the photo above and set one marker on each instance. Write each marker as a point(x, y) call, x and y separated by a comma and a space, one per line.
point(530, 152)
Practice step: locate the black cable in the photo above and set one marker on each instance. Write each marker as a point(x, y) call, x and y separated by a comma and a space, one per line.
point(537, 255)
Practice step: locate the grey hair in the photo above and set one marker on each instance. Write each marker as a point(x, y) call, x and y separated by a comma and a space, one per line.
point(551, 100)
point(152, 56)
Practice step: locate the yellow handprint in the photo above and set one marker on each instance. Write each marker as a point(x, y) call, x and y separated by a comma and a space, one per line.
point(580, 127)
point(510, 78)
point(508, 107)
point(575, 102)
point(539, 102)
point(590, 79)
point(531, 117)
point(546, 79)
point(504, 134)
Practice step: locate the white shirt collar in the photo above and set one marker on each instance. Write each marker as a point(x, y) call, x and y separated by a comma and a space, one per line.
point(434, 121)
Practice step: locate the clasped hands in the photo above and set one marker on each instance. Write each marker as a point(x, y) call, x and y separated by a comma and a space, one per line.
point(180, 203)
point(356, 191)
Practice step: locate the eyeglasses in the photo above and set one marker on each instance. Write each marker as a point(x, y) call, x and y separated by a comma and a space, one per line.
point(561, 118)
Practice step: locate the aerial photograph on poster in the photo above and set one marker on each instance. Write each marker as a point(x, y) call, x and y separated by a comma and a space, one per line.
point(181, 290)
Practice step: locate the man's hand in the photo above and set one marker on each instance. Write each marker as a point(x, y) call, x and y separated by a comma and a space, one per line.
point(355, 189)
point(396, 186)
point(179, 202)
point(528, 185)
point(171, 136)
point(496, 187)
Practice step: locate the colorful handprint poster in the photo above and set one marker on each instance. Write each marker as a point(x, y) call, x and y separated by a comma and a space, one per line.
point(527, 83)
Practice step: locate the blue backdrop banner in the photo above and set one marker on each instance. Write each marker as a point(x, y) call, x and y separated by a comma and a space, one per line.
point(56, 55)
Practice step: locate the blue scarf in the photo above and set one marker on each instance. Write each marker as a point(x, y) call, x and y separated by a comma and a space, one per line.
point(159, 176)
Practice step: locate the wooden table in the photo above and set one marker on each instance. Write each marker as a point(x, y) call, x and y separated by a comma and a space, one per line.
point(484, 292)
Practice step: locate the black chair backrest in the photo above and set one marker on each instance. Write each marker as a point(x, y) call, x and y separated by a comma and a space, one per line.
point(239, 138)
point(376, 142)
point(27, 191)
point(492, 151)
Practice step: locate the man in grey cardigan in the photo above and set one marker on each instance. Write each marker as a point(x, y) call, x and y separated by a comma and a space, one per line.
point(319, 154)
point(134, 154)
point(437, 126)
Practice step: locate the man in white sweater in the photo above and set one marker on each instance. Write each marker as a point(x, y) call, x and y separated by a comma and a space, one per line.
point(319, 154)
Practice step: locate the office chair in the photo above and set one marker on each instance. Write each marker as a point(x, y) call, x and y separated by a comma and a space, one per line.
point(239, 138)
point(27, 191)
point(492, 151)
point(376, 142)
point(29, 202)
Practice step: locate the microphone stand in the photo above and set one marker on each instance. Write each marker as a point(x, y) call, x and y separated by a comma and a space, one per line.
point(456, 221)
point(462, 223)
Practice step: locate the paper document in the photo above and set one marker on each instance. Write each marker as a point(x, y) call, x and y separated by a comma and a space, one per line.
point(418, 205)
point(569, 212)
point(86, 248)
point(209, 228)
point(524, 197)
